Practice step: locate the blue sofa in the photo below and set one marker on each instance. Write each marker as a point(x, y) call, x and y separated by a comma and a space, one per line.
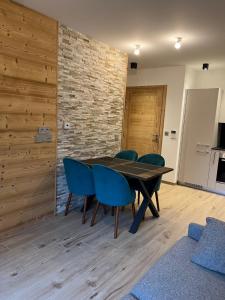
point(175, 277)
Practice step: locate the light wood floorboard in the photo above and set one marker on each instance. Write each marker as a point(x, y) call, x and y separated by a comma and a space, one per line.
point(59, 258)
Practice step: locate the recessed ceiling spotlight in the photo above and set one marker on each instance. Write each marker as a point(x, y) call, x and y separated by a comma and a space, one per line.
point(205, 67)
point(133, 65)
point(177, 45)
point(137, 49)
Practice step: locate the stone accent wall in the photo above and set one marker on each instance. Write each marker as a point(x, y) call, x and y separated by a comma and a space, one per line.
point(91, 90)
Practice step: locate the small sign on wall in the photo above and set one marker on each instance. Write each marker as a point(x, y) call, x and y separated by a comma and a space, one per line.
point(44, 135)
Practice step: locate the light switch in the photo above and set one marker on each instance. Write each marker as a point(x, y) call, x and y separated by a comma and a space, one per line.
point(43, 130)
point(166, 133)
point(43, 135)
point(173, 134)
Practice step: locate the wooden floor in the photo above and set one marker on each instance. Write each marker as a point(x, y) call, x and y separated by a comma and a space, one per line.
point(58, 258)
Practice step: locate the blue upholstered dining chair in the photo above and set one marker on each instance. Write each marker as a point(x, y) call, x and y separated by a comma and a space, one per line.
point(80, 182)
point(157, 160)
point(112, 189)
point(127, 154)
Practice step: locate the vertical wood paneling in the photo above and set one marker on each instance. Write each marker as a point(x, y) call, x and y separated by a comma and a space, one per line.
point(28, 90)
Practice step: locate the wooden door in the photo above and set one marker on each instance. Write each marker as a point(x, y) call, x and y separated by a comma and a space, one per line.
point(144, 118)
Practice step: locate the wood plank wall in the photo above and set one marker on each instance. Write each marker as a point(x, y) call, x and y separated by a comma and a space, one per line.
point(28, 90)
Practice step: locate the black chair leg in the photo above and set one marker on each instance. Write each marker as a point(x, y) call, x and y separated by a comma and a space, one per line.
point(105, 209)
point(95, 213)
point(133, 210)
point(68, 204)
point(157, 200)
point(116, 222)
point(113, 210)
point(90, 203)
point(84, 210)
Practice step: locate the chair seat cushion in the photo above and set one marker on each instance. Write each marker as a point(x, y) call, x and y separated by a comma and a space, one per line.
point(175, 277)
point(210, 250)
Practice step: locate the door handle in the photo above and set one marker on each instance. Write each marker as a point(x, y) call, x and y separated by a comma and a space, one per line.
point(204, 152)
point(203, 145)
point(156, 138)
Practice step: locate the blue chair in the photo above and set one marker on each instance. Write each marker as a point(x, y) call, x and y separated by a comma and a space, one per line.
point(157, 160)
point(112, 189)
point(80, 182)
point(127, 154)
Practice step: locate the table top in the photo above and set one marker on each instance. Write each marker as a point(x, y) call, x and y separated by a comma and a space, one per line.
point(130, 168)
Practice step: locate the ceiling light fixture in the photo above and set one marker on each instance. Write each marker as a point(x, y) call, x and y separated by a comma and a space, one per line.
point(205, 67)
point(137, 49)
point(177, 45)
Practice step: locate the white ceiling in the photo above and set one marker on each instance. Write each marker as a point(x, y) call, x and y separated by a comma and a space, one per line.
point(154, 24)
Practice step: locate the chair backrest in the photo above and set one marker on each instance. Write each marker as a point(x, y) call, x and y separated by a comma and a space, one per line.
point(79, 177)
point(127, 154)
point(153, 159)
point(111, 187)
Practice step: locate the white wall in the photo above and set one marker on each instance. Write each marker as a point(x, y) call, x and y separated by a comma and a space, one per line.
point(177, 80)
point(174, 78)
point(211, 79)
point(190, 78)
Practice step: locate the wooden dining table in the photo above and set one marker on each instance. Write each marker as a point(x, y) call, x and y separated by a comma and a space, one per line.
point(145, 175)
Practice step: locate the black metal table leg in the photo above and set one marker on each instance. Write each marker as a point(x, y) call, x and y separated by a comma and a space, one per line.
point(148, 195)
point(147, 202)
